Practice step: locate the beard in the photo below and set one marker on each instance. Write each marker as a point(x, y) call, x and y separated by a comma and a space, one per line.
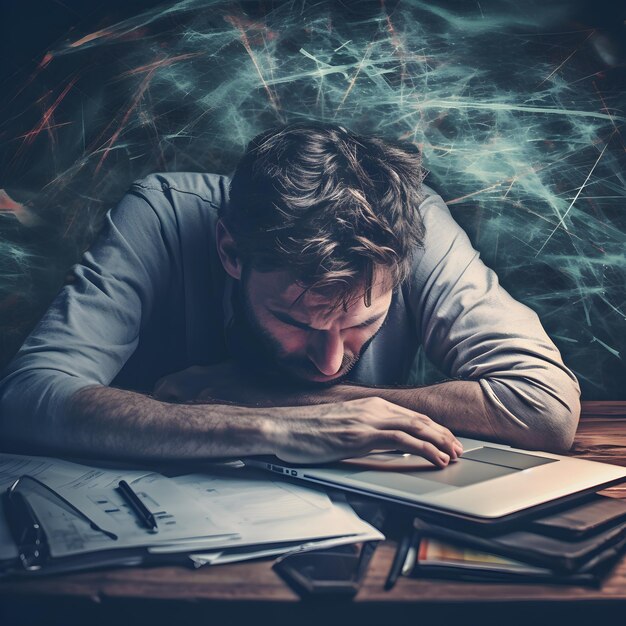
point(257, 349)
point(301, 369)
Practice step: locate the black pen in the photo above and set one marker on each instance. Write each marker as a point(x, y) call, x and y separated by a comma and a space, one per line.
point(135, 503)
point(398, 560)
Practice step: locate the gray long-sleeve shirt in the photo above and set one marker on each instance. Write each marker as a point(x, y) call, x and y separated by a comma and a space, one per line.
point(151, 297)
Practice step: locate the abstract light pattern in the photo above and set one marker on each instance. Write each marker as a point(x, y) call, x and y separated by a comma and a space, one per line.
point(520, 123)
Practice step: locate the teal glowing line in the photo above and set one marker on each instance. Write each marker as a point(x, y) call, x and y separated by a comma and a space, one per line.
point(574, 200)
point(613, 351)
point(499, 106)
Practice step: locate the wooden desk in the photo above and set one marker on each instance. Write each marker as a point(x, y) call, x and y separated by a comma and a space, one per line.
point(251, 593)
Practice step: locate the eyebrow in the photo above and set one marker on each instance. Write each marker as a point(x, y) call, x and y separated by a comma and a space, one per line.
point(287, 319)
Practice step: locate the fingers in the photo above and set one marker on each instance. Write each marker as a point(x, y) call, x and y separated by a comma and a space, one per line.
point(442, 429)
point(422, 428)
point(356, 427)
point(389, 416)
point(181, 386)
point(165, 393)
point(404, 442)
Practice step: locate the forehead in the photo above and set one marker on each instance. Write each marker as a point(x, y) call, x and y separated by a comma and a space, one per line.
point(279, 290)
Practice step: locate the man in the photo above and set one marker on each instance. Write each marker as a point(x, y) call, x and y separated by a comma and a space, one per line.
point(285, 321)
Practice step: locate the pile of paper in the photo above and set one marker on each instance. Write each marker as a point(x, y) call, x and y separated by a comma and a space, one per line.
point(220, 516)
point(268, 514)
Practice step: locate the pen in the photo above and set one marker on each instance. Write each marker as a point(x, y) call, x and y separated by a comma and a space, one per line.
point(398, 560)
point(135, 503)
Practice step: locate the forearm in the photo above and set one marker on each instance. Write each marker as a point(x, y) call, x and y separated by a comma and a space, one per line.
point(522, 413)
point(465, 408)
point(459, 405)
point(109, 422)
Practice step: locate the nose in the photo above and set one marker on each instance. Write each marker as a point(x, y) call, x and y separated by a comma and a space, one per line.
point(325, 349)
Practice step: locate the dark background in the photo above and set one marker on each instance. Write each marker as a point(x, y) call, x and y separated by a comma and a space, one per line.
point(518, 107)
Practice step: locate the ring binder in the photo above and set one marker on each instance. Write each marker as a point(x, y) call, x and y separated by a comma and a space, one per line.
point(27, 532)
point(25, 527)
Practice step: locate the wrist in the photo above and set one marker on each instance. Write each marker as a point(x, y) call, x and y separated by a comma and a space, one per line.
point(235, 431)
point(265, 431)
point(289, 429)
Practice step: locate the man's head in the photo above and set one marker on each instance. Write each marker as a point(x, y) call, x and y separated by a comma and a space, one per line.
point(320, 228)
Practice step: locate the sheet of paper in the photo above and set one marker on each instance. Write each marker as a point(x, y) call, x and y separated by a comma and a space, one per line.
point(72, 480)
point(322, 544)
point(60, 475)
point(94, 491)
point(178, 518)
point(246, 497)
point(267, 511)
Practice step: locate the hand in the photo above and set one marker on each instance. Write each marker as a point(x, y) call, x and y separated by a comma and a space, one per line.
point(303, 430)
point(230, 383)
point(225, 382)
point(329, 432)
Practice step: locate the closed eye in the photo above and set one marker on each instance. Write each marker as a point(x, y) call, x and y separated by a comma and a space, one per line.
point(367, 323)
point(287, 319)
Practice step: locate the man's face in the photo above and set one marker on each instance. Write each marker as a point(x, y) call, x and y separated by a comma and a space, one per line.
point(305, 335)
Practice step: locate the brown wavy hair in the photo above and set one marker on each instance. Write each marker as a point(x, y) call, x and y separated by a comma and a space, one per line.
point(327, 204)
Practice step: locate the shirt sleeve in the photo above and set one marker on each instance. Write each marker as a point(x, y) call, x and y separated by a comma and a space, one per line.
point(92, 326)
point(471, 328)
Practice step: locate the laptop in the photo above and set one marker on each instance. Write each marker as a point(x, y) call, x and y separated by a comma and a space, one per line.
point(490, 484)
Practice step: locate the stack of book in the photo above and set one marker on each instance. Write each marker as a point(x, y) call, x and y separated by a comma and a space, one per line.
point(578, 545)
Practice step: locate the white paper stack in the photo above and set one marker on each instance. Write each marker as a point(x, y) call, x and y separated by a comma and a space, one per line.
point(267, 514)
point(221, 516)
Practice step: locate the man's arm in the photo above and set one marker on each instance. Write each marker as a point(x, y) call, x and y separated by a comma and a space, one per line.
point(472, 329)
point(108, 422)
point(463, 407)
point(459, 405)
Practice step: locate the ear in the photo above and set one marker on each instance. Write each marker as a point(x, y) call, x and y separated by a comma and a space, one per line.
point(227, 249)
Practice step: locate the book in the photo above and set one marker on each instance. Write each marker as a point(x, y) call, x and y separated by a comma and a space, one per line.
point(576, 545)
point(441, 559)
point(560, 555)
